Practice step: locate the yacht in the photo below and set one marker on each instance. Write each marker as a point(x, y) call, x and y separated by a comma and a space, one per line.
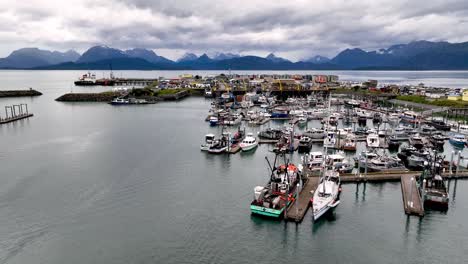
point(458, 140)
point(350, 143)
point(373, 140)
point(249, 142)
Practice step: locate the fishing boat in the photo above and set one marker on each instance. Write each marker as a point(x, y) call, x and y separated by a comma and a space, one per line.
point(314, 160)
point(410, 117)
point(437, 140)
point(439, 124)
point(220, 145)
point(350, 143)
point(427, 130)
point(400, 134)
point(377, 118)
point(352, 103)
point(435, 193)
point(272, 199)
point(373, 140)
point(233, 120)
point(339, 162)
point(326, 196)
point(302, 119)
point(416, 141)
point(458, 140)
point(393, 118)
point(269, 133)
point(280, 113)
point(315, 133)
point(209, 139)
point(208, 93)
point(330, 140)
point(384, 164)
point(361, 131)
point(119, 101)
point(213, 121)
point(305, 144)
point(393, 142)
point(249, 143)
point(416, 162)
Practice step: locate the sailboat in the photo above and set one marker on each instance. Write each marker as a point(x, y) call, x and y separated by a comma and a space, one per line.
point(326, 196)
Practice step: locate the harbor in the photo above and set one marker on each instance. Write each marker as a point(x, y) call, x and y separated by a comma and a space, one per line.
point(136, 175)
point(15, 112)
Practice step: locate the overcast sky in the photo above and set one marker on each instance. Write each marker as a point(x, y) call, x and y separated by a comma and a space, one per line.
point(294, 29)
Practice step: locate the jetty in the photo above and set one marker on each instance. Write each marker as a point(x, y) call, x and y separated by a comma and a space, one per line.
point(15, 113)
point(298, 208)
point(88, 97)
point(19, 93)
point(412, 200)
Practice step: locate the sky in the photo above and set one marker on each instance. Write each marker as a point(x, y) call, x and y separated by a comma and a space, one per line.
point(294, 29)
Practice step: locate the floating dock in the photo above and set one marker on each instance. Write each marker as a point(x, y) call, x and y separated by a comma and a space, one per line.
point(412, 200)
point(15, 113)
point(298, 208)
point(14, 118)
point(234, 149)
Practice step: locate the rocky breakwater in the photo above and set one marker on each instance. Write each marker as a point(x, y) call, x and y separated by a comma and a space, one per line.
point(88, 97)
point(19, 93)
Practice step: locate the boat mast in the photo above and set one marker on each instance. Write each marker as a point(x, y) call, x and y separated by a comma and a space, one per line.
point(325, 146)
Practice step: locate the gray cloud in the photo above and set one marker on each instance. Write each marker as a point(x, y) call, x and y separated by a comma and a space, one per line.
point(295, 29)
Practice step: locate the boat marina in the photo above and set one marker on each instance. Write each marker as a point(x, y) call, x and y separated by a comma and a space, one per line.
point(373, 133)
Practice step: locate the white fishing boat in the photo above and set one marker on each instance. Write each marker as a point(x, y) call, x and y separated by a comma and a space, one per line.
point(330, 140)
point(315, 133)
point(350, 143)
point(302, 119)
point(373, 140)
point(313, 160)
point(249, 142)
point(326, 196)
point(209, 139)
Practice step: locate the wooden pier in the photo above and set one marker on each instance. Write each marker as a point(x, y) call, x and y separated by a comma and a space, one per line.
point(15, 113)
point(412, 200)
point(298, 208)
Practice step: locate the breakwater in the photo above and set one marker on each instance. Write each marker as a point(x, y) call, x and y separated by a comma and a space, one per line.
point(87, 97)
point(19, 93)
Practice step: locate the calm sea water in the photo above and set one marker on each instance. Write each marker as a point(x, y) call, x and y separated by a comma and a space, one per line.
point(92, 183)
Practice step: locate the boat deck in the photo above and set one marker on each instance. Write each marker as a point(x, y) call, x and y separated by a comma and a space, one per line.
point(412, 200)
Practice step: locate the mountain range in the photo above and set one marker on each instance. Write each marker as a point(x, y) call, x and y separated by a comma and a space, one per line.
point(417, 55)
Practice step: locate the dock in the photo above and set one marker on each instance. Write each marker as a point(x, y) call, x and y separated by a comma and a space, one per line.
point(234, 149)
point(15, 113)
point(298, 208)
point(412, 200)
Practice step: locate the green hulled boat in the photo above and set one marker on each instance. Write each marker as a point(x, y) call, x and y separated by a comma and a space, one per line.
point(272, 199)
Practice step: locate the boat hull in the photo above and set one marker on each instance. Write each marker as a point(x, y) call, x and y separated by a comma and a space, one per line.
point(260, 210)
